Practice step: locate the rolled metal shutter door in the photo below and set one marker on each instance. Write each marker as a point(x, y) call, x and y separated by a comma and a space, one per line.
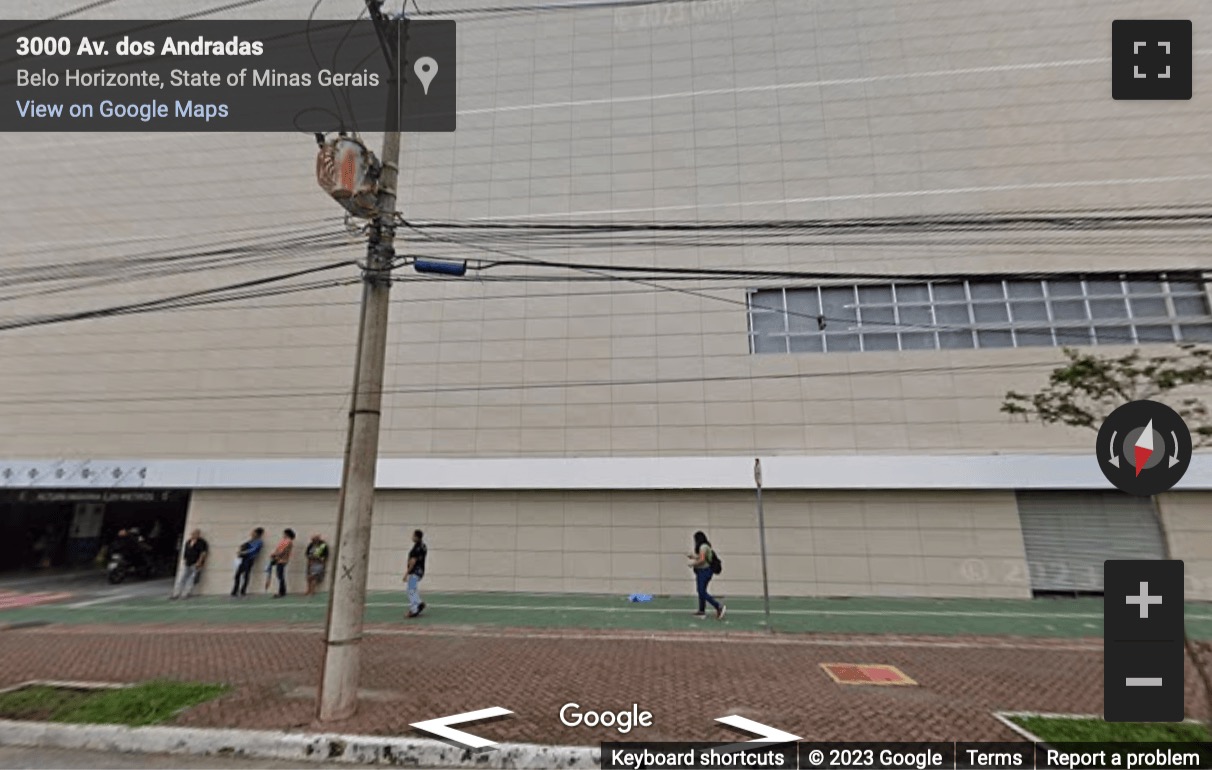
point(1068, 536)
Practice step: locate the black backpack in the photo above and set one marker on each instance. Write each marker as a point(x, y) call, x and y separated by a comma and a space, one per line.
point(717, 566)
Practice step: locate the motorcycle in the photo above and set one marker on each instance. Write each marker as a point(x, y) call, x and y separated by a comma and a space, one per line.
point(122, 566)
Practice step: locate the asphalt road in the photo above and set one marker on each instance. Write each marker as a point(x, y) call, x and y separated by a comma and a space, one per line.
point(12, 758)
point(86, 585)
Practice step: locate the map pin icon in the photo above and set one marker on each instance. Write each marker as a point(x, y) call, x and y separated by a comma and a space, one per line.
point(426, 68)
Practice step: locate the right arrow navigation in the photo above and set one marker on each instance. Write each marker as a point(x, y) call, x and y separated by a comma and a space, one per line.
point(768, 733)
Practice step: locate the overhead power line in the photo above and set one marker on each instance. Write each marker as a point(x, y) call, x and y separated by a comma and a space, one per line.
point(280, 394)
point(1056, 220)
point(668, 273)
point(255, 249)
point(245, 252)
point(819, 318)
point(1056, 229)
point(596, 272)
point(162, 303)
point(236, 235)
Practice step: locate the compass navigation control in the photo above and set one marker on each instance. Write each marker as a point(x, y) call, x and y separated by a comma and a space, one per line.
point(1144, 448)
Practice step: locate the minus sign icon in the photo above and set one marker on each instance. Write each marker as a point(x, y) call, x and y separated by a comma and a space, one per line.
point(1144, 681)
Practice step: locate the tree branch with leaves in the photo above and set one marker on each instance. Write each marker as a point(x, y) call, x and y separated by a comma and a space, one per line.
point(1089, 387)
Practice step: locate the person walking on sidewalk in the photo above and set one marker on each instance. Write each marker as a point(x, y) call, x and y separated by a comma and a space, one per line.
point(701, 562)
point(194, 555)
point(416, 571)
point(317, 563)
point(280, 558)
point(245, 558)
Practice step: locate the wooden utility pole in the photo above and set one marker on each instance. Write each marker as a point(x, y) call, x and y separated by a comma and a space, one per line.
point(338, 697)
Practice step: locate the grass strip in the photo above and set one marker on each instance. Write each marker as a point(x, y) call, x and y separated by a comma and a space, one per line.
point(1065, 730)
point(148, 703)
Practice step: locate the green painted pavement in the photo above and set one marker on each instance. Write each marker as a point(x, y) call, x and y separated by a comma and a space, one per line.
point(1065, 618)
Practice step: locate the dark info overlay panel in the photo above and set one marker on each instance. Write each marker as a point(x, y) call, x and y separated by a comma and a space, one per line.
point(949, 755)
point(317, 76)
point(704, 756)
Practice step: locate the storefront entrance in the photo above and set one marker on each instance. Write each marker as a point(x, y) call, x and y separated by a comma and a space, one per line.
point(63, 528)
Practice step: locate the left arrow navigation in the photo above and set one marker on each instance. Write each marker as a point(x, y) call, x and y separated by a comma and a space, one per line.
point(441, 727)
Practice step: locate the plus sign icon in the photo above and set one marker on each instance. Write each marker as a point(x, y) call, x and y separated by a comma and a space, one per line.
point(1143, 599)
point(1151, 59)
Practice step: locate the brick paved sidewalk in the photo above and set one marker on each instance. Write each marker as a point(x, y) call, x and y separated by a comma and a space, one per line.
point(685, 680)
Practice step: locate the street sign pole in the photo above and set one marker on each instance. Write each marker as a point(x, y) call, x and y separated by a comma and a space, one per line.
point(757, 481)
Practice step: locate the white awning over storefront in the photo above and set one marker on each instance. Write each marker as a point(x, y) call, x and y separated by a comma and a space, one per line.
point(1018, 471)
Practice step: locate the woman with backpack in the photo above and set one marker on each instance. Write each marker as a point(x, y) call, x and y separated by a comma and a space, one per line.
point(705, 564)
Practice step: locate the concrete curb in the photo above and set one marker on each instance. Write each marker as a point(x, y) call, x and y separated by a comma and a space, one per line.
point(1005, 717)
point(291, 747)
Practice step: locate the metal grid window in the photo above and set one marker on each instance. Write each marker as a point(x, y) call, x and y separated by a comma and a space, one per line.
point(976, 313)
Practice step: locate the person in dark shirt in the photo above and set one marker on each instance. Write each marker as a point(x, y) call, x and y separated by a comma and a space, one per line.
point(131, 546)
point(194, 554)
point(245, 558)
point(123, 544)
point(416, 571)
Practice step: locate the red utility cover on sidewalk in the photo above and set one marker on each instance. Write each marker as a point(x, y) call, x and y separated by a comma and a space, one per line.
point(866, 673)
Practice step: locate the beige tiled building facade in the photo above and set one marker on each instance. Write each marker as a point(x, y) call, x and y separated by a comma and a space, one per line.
point(571, 434)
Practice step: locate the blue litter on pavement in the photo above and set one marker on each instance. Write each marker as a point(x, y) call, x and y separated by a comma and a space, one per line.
point(640, 598)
